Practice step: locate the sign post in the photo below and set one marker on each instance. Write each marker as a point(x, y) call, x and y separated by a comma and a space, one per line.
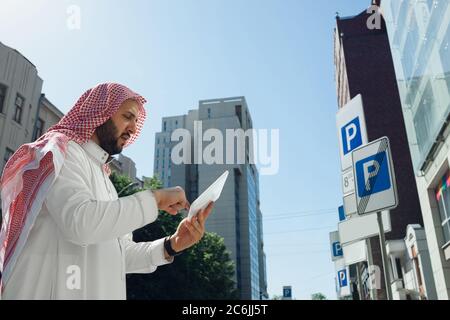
point(375, 188)
point(384, 257)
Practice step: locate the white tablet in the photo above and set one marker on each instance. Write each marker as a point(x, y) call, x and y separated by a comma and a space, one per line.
point(211, 194)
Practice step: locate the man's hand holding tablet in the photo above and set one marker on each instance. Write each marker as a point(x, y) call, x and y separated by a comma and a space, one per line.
point(192, 228)
point(209, 195)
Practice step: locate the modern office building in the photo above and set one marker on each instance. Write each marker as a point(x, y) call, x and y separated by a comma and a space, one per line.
point(236, 216)
point(124, 165)
point(364, 66)
point(419, 37)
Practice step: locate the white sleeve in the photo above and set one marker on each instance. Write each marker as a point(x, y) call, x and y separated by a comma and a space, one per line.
point(84, 220)
point(143, 257)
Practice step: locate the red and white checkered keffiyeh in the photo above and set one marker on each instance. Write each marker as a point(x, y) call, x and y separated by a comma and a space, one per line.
point(32, 169)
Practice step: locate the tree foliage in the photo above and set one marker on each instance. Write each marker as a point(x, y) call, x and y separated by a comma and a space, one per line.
point(318, 296)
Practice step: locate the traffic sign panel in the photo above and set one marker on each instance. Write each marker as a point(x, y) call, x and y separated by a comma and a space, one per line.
point(362, 227)
point(351, 127)
point(349, 204)
point(348, 183)
point(342, 278)
point(335, 244)
point(373, 170)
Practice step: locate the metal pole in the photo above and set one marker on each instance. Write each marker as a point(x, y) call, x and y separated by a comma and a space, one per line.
point(384, 257)
point(370, 267)
point(360, 285)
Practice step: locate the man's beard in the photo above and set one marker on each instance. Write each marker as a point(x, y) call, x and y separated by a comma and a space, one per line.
point(107, 136)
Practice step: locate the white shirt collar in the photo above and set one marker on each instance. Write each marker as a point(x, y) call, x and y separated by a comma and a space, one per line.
point(95, 151)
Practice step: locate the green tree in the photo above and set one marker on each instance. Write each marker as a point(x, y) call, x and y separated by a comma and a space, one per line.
point(204, 271)
point(123, 184)
point(152, 183)
point(318, 296)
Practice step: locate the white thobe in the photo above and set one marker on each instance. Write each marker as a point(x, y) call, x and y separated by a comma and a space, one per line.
point(80, 246)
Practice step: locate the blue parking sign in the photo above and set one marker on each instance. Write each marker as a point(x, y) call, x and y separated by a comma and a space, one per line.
point(373, 169)
point(341, 213)
point(351, 136)
point(351, 130)
point(337, 249)
point(342, 278)
point(372, 174)
point(287, 292)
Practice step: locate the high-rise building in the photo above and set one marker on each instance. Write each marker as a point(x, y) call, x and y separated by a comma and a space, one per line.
point(419, 37)
point(124, 165)
point(236, 215)
point(364, 66)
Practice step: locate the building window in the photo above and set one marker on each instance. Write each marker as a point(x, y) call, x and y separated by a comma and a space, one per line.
point(445, 58)
point(19, 108)
point(443, 199)
point(238, 111)
point(176, 122)
point(410, 49)
point(165, 126)
point(425, 119)
point(8, 154)
point(39, 129)
point(209, 113)
point(2, 97)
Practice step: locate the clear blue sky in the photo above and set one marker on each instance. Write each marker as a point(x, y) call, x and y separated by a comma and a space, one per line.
point(277, 53)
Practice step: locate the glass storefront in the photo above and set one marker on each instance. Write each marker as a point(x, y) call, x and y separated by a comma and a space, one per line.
point(419, 36)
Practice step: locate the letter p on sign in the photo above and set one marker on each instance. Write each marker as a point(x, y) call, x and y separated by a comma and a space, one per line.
point(351, 136)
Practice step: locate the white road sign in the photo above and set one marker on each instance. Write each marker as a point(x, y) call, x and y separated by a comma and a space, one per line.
point(348, 183)
point(355, 252)
point(362, 227)
point(349, 204)
point(351, 129)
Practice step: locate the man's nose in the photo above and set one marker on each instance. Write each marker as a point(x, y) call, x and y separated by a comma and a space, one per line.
point(131, 129)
